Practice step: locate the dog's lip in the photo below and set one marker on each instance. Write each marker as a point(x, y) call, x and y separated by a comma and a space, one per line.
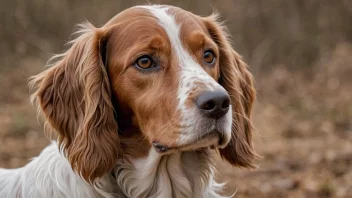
point(209, 140)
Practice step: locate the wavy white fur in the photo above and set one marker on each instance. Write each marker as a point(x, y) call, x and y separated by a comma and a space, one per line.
point(187, 174)
point(48, 175)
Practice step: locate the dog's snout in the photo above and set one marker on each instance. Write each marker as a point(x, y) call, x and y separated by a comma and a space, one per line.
point(214, 104)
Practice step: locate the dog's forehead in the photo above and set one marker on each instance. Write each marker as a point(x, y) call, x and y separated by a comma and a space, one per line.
point(169, 16)
point(179, 26)
point(151, 15)
point(134, 18)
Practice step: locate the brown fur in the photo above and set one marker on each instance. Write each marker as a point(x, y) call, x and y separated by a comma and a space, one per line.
point(93, 87)
point(74, 95)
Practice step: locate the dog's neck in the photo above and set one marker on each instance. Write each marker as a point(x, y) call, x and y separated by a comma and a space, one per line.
point(186, 174)
point(143, 172)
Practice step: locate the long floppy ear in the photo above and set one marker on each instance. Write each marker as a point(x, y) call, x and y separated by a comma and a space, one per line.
point(237, 80)
point(74, 96)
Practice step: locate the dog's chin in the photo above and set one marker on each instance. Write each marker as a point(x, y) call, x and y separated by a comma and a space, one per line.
point(210, 140)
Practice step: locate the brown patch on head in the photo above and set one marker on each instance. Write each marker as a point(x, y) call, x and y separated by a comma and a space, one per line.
point(150, 97)
point(194, 40)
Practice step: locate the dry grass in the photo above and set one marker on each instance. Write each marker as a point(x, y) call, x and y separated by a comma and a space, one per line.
point(300, 54)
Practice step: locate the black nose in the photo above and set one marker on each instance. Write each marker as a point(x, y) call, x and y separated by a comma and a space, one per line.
point(214, 104)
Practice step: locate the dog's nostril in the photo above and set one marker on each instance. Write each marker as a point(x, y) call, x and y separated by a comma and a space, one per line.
point(208, 105)
point(214, 104)
point(226, 103)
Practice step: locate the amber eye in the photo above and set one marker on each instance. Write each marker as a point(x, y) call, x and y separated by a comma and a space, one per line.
point(209, 57)
point(144, 62)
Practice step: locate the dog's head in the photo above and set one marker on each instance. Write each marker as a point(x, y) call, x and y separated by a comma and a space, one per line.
point(153, 77)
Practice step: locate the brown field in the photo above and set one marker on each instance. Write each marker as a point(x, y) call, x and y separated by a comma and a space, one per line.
point(300, 53)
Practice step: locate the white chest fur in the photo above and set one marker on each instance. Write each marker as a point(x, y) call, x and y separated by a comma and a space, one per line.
point(178, 175)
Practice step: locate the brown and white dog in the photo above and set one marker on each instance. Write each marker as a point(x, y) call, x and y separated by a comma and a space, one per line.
point(137, 106)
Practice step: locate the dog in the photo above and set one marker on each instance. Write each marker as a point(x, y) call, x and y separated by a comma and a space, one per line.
point(138, 106)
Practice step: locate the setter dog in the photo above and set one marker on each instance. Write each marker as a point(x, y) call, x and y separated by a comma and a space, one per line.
point(138, 106)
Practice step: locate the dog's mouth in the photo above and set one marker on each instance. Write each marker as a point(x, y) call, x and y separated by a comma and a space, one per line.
point(209, 140)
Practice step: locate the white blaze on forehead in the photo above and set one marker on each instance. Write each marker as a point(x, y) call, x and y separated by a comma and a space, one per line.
point(190, 70)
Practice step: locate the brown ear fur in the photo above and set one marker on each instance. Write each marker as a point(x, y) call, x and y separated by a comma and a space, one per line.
point(237, 80)
point(74, 96)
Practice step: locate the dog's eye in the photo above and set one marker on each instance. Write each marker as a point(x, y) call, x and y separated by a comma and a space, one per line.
point(209, 57)
point(144, 62)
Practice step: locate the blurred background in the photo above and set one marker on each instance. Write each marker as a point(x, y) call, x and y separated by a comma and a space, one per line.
point(300, 52)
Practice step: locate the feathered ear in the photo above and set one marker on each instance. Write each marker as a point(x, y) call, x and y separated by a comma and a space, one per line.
point(74, 96)
point(237, 80)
